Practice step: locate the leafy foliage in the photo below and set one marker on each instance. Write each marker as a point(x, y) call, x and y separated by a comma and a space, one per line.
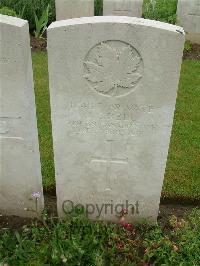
point(98, 7)
point(30, 8)
point(180, 247)
point(162, 10)
point(41, 23)
point(8, 11)
point(188, 46)
point(78, 241)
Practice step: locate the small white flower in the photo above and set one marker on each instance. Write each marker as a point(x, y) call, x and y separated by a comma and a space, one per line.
point(64, 259)
point(36, 195)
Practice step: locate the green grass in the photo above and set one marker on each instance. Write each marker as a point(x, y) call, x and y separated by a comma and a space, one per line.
point(78, 241)
point(40, 70)
point(183, 167)
point(182, 177)
point(162, 10)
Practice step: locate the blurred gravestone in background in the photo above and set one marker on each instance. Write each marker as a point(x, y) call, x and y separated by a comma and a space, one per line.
point(188, 16)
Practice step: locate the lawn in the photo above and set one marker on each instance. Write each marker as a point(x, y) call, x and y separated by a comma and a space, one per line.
point(182, 178)
point(41, 81)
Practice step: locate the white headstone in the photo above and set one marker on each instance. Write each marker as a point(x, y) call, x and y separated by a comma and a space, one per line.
point(113, 85)
point(188, 16)
point(130, 8)
point(20, 173)
point(66, 9)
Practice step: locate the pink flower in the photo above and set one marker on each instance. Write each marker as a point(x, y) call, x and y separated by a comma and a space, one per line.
point(128, 226)
point(146, 250)
point(125, 224)
point(122, 221)
point(124, 212)
point(120, 245)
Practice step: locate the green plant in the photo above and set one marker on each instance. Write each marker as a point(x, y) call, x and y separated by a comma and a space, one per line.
point(188, 46)
point(29, 8)
point(8, 11)
point(78, 241)
point(21, 12)
point(181, 246)
point(98, 7)
point(162, 10)
point(41, 23)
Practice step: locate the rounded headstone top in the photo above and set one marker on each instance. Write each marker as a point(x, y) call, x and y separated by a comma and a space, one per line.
point(117, 19)
point(12, 21)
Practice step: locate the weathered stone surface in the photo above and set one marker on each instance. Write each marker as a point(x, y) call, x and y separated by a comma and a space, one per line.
point(66, 9)
point(113, 85)
point(130, 8)
point(188, 16)
point(20, 173)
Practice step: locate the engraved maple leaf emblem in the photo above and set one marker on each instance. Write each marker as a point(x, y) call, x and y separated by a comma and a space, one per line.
point(113, 71)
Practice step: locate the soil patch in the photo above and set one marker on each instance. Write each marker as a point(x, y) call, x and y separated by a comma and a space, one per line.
point(38, 44)
point(169, 209)
point(193, 54)
point(14, 222)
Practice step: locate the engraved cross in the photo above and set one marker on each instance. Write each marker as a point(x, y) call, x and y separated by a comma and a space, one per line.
point(109, 161)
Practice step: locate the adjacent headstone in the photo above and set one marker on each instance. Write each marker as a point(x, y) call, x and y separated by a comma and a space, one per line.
point(130, 8)
point(66, 9)
point(20, 174)
point(188, 16)
point(113, 86)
